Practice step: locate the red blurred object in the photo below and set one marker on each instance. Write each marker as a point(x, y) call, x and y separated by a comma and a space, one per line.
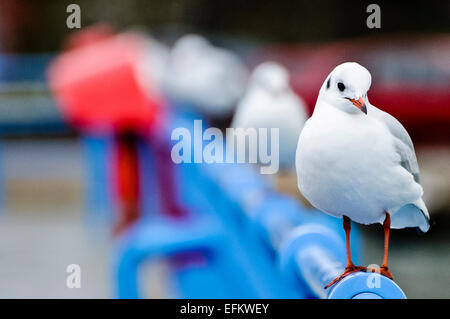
point(410, 76)
point(127, 175)
point(98, 87)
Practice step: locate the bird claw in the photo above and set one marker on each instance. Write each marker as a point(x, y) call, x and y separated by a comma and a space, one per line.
point(384, 270)
point(348, 270)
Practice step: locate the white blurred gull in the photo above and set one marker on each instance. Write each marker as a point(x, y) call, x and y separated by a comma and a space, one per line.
point(209, 78)
point(270, 103)
point(357, 162)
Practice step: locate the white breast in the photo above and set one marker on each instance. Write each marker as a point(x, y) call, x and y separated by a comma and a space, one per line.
point(347, 165)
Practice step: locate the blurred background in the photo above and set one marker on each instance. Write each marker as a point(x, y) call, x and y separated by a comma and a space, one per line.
point(45, 186)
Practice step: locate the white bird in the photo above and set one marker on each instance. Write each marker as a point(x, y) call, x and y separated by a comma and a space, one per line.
point(152, 64)
point(357, 162)
point(270, 103)
point(208, 78)
point(155, 61)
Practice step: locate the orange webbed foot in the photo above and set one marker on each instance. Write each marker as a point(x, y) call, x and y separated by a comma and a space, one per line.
point(348, 270)
point(384, 270)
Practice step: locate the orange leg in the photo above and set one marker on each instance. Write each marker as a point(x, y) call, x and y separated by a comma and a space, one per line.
point(350, 268)
point(384, 270)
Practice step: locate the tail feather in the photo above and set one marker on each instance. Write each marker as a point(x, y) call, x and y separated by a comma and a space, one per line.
point(412, 215)
point(424, 210)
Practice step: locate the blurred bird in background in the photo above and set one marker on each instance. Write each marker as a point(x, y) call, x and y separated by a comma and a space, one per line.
point(204, 77)
point(269, 102)
point(154, 64)
point(357, 162)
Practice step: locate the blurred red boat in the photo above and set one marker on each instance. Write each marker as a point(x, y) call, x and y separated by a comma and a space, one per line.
point(410, 76)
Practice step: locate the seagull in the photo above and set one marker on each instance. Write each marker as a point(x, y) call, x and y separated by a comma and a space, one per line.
point(357, 162)
point(154, 61)
point(208, 78)
point(269, 102)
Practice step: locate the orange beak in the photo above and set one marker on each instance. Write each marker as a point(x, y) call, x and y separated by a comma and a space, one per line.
point(359, 103)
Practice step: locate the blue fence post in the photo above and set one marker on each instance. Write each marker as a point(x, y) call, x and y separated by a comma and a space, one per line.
point(260, 230)
point(97, 156)
point(366, 285)
point(169, 238)
point(316, 255)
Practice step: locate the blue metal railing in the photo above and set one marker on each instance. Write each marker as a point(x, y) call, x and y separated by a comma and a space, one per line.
point(278, 248)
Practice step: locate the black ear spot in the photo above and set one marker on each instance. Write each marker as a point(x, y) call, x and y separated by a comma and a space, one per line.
point(341, 86)
point(328, 83)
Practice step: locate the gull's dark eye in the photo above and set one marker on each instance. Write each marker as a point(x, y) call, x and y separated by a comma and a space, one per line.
point(341, 86)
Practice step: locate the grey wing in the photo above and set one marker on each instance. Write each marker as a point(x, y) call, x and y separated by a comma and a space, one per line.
point(403, 142)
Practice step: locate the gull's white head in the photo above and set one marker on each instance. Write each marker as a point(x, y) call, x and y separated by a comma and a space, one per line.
point(271, 77)
point(346, 87)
